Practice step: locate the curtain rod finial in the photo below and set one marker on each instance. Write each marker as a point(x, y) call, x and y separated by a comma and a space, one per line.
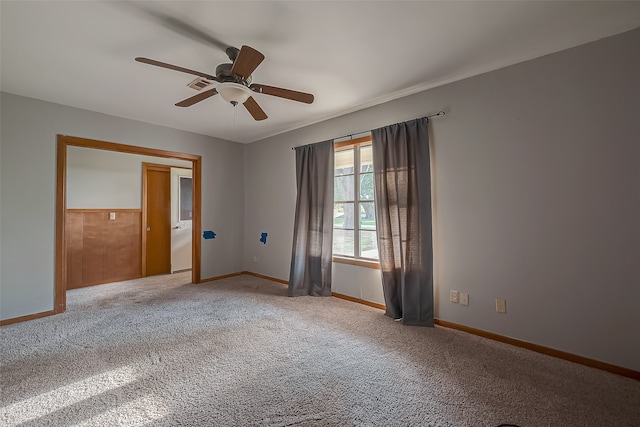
point(440, 113)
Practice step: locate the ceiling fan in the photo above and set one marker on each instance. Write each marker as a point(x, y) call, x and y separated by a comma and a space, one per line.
point(235, 82)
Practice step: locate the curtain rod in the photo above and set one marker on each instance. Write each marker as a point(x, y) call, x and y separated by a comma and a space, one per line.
point(438, 114)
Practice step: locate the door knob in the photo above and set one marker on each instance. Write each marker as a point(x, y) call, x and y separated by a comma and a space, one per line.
point(148, 228)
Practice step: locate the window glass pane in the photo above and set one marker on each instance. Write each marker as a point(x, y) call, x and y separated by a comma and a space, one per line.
point(186, 199)
point(343, 242)
point(367, 216)
point(343, 215)
point(343, 188)
point(366, 159)
point(368, 244)
point(338, 215)
point(343, 162)
point(366, 186)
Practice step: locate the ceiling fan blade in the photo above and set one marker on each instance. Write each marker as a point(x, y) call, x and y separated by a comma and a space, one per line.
point(181, 25)
point(175, 67)
point(191, 31)
point(197, 98)
point(254, 109)
point(247, 61)
point(293, 95)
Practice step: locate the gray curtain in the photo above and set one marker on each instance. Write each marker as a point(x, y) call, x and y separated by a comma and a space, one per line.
point(313, 228)
point(403, 220)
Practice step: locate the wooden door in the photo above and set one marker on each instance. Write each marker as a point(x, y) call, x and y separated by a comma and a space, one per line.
point(157, 219)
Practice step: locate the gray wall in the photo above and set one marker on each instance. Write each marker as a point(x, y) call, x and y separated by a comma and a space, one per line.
point(27, 185)
point(107, 179)
point(536, 186)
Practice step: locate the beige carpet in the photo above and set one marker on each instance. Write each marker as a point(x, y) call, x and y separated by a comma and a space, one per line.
point(238, 352)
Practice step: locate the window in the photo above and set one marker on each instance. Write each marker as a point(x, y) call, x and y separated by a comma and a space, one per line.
point(354, 221)
point(185, 189)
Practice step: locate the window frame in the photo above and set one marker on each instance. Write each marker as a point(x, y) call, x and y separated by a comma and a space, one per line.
point(356, 259)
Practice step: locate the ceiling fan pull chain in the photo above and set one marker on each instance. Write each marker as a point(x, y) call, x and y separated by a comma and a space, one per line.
point(235, 116)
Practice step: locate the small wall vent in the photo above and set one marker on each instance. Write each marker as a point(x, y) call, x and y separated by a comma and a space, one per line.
point(200, 83)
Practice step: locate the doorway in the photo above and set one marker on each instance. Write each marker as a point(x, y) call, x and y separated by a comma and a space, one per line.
point(64, 141)
point(181, 219)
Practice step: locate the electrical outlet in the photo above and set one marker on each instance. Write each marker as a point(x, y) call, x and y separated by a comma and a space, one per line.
point(256, 259)
point(501, 305)
point(112, 216)
point(453, 296)
point(464, 298)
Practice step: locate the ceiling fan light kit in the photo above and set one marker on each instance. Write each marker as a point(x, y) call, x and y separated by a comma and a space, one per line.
point(235, 93)
point(234, 82)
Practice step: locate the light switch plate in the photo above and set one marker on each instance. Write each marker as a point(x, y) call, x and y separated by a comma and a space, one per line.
point(453, 296)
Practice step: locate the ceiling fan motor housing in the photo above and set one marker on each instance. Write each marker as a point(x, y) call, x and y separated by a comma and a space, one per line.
point(224, 74)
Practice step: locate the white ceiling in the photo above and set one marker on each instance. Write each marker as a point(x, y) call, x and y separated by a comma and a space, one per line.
point(350, 55)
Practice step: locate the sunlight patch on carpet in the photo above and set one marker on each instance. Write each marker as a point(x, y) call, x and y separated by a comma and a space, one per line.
point(146, 409)
point(54, 400)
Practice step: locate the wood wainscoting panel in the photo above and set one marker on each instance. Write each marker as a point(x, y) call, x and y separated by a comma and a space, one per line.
point(94, 247)
point(101, 250)
point(74, 239)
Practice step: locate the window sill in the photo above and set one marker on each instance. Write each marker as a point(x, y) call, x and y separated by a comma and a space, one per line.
point(358, 262)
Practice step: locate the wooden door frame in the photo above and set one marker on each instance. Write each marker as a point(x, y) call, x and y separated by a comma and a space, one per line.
point(64, 141)
point(146, 167)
